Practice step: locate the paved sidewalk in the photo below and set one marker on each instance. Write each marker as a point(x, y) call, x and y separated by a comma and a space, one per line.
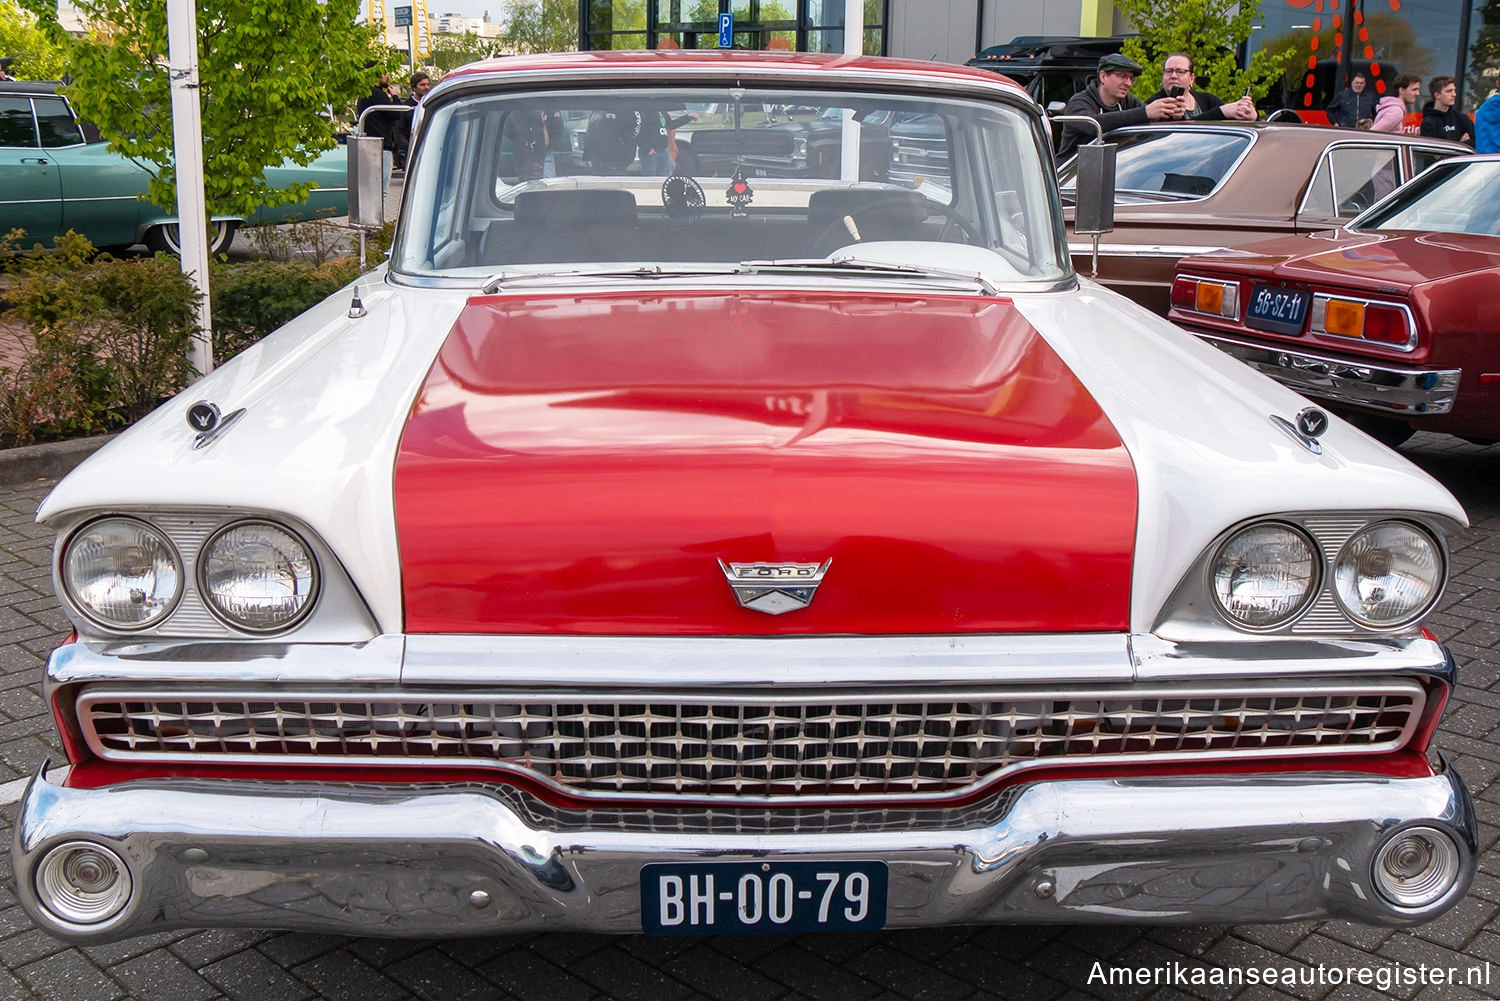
point(936, 965)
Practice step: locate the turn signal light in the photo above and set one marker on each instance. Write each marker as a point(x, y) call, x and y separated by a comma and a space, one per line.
point(1203, 296)
point(1383, 323)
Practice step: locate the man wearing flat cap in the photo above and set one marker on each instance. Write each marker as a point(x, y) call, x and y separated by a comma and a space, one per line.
point(1108, 100)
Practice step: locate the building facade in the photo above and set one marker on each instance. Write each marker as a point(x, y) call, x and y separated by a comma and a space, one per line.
point(1458, 38)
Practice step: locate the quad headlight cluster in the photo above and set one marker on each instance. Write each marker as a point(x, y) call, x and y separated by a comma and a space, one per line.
point(1384, 577)
point(125, 574)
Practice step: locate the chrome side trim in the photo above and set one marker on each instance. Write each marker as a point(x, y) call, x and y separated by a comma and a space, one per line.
point(710, 664)
point(1387, 389)
point(376, 662)
point(1143, 250)
point(737, 661)
point(407, 861)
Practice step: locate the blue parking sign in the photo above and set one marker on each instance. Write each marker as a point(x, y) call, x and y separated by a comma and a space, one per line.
point(726, 31)
point(403, 17)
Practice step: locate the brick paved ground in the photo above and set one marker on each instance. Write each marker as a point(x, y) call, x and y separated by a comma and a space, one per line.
point(936, 965)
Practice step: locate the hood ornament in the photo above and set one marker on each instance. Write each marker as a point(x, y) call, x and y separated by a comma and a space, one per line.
point(775, 588)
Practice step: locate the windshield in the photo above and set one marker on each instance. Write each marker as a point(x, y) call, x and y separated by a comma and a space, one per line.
point(1186, 163)
point(1449, 198)
point(678, 176)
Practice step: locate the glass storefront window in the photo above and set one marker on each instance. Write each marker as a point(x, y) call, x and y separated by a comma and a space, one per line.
point(808, 25)
point(1385, 38)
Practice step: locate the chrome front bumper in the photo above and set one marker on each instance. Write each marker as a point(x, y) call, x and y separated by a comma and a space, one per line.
point(1406, 392)
point(482, 859)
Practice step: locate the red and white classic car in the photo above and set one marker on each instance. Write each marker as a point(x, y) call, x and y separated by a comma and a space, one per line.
point(1394, 320)
point(692, 555)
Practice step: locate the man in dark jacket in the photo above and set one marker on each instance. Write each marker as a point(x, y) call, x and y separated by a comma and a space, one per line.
point(1108, 101)
point(385, 124)
point(1199, 105)
point(1352, 103)
point(1440, 119)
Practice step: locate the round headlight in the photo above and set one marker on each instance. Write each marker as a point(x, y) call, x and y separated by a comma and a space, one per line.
point(122, 573)
point(257, 576)
point(1388, 574)
point(1264, 575)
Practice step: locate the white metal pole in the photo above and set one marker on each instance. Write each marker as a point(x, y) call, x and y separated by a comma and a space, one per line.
point(187, 146)
point(854, 45)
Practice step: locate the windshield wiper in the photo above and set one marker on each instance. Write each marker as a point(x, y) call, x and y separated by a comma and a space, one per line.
point(862, 266)
point(504, 278)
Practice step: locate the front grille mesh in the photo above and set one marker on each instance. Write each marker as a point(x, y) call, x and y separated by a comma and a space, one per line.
point(611, 743)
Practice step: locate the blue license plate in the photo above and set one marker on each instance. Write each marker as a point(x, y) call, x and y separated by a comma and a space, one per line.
point(1278, 309)
point(740, 898)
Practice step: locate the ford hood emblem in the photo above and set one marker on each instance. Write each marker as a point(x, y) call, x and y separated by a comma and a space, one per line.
point(775, 588)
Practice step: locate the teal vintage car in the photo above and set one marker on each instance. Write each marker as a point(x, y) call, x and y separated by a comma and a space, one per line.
point(56, 175)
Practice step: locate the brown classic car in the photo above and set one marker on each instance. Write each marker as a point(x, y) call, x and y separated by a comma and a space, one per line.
point(1190, 187)
point(1392, 321)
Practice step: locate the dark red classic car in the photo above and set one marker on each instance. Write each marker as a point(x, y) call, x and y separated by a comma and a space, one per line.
point(1394, 320)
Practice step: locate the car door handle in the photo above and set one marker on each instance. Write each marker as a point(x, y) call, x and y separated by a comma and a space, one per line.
point(36, 159)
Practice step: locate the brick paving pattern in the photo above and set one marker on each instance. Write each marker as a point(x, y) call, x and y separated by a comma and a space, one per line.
point(948, 964)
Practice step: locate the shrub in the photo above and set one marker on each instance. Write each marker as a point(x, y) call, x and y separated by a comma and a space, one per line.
point(100, 341)
point(251, 300)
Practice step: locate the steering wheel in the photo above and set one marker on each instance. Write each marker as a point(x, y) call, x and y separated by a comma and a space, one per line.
point(867, 224)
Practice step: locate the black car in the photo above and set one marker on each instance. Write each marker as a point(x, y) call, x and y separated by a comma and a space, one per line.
point(798, 147)
point(1052, 68)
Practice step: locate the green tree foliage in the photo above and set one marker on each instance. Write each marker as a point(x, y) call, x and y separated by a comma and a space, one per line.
point(541, 25)
point(38, 54)
point(1208, 31)
point(450, 51)
point(272, 74)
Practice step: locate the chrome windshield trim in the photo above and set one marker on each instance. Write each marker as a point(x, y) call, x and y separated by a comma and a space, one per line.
point(1197, 128)
point(739, 281)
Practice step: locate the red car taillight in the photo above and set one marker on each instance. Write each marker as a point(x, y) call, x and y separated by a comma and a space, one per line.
point(1379, 322)
point(1204, 295)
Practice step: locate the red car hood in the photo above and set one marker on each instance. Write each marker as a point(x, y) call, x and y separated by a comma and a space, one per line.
point(1367, 261)
point(584, 464)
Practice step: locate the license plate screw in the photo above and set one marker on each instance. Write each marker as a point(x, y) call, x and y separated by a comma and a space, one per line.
point(1044, 889)
point(479, 898)
point(765, 867)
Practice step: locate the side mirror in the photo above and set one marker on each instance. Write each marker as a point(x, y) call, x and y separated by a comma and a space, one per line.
point(366, 182)
point(1094, 207)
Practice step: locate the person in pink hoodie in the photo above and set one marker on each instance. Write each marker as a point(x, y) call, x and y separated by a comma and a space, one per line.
point(1392, 109)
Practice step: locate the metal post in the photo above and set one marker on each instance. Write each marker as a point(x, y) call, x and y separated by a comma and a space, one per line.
point(411, 48)
point(854, 45)
point(187, 149)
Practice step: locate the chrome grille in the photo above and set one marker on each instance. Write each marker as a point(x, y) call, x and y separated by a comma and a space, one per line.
point(750, 745)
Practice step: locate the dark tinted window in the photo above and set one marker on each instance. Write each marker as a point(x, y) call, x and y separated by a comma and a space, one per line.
point(56, 123)
point(16, 128)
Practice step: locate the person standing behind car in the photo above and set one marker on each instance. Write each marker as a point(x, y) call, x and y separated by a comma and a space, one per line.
point(384, 124)
point(1177, 79)
point(1351, 104)
point(1440, 119)
point(1107, 100)
point(1392, 109)
point(1487, 123)
point(655, 142)
point(421, 83)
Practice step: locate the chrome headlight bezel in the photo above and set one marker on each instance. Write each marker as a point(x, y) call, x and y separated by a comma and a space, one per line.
point(70, 591)
point(1316, 560)
point(206, 593)
point(1191, 612)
